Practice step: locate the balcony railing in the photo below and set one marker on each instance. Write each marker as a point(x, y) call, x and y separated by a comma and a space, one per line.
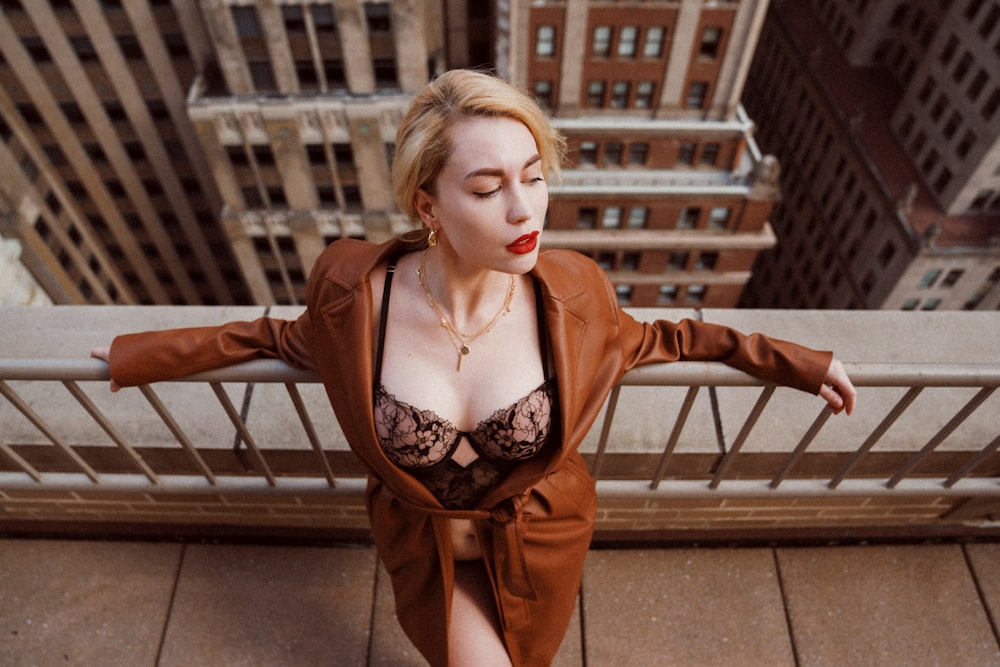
point(691, 431)
point(962, 471)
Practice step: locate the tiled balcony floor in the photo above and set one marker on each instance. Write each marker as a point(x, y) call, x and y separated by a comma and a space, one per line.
point(134, 604)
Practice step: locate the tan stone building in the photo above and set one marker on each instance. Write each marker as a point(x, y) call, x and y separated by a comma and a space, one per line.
point(207, 151)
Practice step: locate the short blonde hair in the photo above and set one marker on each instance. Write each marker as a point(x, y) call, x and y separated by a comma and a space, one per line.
point(423, 144)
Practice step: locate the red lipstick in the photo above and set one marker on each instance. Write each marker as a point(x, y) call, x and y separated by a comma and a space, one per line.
point(524, 244)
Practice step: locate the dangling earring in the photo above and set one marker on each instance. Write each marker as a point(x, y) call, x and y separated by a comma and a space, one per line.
point(432, 238)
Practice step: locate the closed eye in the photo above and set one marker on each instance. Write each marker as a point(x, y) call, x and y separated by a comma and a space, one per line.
point(487, 195)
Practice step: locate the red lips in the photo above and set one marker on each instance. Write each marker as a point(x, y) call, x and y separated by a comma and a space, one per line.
point(524, 244)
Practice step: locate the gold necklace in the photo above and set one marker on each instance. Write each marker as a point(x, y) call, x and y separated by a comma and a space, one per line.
point(459, 340)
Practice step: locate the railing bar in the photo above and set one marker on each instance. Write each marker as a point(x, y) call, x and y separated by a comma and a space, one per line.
point(675, 434)
point(310, 428)
point(744, 433)
point(178, 433)
point(108, 428)
point(39, 423)
point(602, 443)
point(800, 449)
point(25, 467)
point(973, 462)
point(954, 423)
point(234, 417)
point(876, 435)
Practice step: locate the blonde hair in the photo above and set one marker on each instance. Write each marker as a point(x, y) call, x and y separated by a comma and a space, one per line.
point(423, 143)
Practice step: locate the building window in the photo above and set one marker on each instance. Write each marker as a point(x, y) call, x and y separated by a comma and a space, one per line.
point(686, 153)
point(678, 261)
point(612, 218)
point(613, 153)
point(667, 295)
point(697, 94)
point(653, 48)
point(929, 279)
point(931, 304)
point(943, 180)
point(586, 218)
point(638, 153)
point(689, 217)
point(949, 50)
point(600, 46)
point(378, 17)
point(710, 154)
point(543, 93)
point(628, 37)
point(263, 77)
point(245, 19)
point(711, 38)
point(644, 95)
point(718, 219)
point(595, 94)
point(624, 293)
point(619, 94)
point(952, 277)
point(545, 41)
point(695, 294)
point(630, 261)
point(707, 261)
point(886, 254)
point(606, 260)
point(588, 152)
point(638, 216)
point(911, 304)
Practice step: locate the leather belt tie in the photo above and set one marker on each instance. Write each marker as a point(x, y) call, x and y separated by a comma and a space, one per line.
point(508, 520)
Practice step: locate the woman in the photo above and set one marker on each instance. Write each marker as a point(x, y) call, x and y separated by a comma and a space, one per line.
point(465, 367)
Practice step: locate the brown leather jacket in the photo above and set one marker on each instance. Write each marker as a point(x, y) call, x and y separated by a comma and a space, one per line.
point(536, 526)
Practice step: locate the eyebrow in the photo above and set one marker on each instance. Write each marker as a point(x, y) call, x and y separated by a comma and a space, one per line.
point(492, 171)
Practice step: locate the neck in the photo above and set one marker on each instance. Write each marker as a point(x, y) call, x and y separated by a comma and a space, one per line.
point(467, 296)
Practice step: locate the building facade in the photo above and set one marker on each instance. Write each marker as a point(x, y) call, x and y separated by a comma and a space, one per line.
point(886, 118)
point(184, 151)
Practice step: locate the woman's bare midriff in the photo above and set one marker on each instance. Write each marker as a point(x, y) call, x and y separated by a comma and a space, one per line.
point(465, 540)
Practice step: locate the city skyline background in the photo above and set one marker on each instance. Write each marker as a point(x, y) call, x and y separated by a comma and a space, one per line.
point(823, 154)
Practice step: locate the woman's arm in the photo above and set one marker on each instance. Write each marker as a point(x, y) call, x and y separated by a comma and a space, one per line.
point(155, 356)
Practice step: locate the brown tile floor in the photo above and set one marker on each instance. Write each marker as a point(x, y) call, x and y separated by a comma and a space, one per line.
point(138, 604)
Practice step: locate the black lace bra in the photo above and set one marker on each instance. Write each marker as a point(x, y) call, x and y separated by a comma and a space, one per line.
point(423, 443)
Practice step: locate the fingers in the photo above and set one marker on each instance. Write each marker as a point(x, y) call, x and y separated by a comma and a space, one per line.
point(104, 353)
point(838, 390)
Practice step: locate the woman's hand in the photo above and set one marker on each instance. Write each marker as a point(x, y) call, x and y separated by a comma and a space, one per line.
point(104, 353)
point(837, 389)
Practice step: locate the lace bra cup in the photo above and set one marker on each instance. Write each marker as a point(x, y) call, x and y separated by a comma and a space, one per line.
point(423, 443)
point(413, 438)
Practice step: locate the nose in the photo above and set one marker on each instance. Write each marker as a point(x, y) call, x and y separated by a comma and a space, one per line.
point(519, 207)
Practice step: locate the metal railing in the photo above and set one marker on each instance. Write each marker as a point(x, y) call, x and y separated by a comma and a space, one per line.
point(969, 468)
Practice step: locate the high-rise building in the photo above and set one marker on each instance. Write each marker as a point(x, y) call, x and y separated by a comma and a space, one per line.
point(886, 119)
point(665, 186)
point(206, 151)
point(102, 178)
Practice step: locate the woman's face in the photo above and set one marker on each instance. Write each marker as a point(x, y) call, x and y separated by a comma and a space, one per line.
point(490, 198)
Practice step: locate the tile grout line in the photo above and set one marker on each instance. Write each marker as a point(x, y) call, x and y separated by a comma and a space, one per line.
point(170, 605)
point(784, 604)
point(981, 593)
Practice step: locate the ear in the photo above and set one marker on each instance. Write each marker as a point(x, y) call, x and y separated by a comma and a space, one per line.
point(425, 203)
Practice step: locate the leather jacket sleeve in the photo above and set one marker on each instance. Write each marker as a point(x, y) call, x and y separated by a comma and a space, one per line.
point(155, 356)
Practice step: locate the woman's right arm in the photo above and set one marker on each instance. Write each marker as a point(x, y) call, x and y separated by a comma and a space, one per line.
point(156, 356)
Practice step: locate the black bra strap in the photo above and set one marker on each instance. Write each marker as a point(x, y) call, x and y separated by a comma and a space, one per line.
point(383, 319)
point(543, 331)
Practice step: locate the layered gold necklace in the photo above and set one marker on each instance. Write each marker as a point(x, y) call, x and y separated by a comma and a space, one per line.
point(459, 340)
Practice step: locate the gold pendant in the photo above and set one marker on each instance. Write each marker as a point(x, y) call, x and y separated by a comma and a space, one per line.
point(461, 353)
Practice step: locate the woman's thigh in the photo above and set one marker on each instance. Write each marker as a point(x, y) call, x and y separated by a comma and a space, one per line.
point(474, 636)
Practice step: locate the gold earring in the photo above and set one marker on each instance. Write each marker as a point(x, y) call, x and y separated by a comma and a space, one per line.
point(432, 238)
